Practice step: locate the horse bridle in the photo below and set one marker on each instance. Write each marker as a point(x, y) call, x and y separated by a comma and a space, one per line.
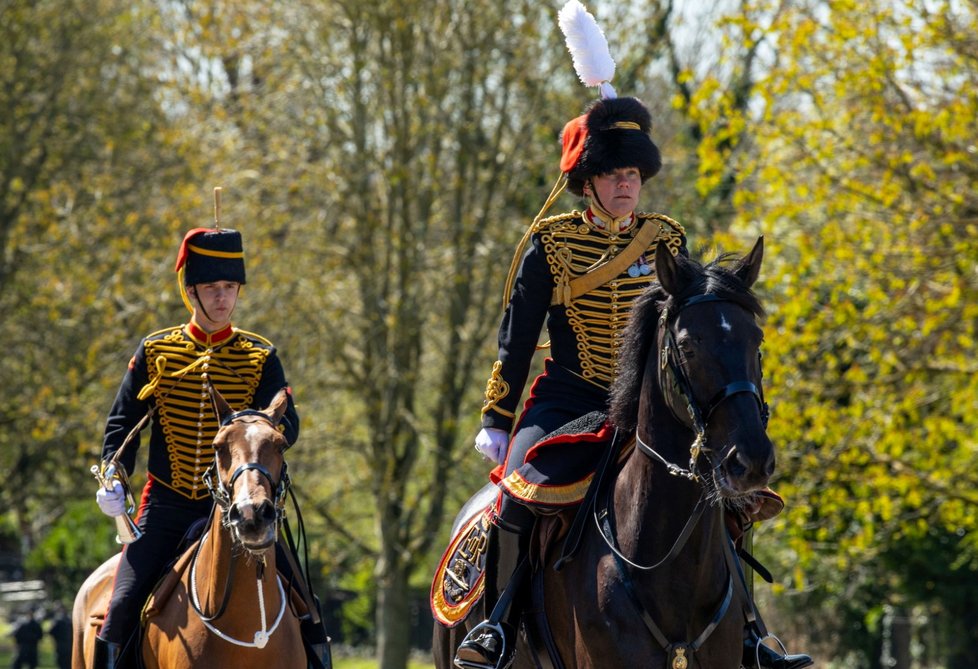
point(696, 418)
point(221, 491)
point(678, 391)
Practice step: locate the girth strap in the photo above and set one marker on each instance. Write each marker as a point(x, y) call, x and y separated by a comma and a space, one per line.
point(572, 542)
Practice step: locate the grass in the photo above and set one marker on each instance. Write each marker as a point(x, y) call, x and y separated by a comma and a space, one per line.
point(369, 663)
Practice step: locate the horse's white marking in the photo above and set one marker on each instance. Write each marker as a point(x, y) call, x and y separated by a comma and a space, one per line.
point(724, 324)
point(253, 432)
point(253, 436)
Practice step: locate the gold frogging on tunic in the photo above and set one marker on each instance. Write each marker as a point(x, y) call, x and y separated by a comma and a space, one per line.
point(496, 389)
point(574, 247)
point(183, 406)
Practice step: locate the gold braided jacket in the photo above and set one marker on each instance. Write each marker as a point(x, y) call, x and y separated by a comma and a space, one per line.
point(585, 330)
point(171, 371)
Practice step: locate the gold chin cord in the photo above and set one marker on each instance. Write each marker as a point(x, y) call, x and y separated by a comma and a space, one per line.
point(514, 266)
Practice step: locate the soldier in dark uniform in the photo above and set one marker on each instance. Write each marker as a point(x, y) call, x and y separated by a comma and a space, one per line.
point(169, 376)
point(27, 634)
point(580, 274)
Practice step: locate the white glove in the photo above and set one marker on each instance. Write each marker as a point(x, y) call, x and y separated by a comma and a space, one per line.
point(492, 443)
point(112, 502)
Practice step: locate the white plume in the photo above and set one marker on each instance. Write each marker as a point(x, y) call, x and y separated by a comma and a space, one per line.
point(588, 47)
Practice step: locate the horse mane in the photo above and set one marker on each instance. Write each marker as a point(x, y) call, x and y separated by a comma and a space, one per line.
point(714, 278)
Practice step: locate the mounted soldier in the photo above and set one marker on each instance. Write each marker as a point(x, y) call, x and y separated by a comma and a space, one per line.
point(167, 385)
point(579, 273)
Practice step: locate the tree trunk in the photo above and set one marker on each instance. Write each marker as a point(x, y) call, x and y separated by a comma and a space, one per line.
point(393, 621)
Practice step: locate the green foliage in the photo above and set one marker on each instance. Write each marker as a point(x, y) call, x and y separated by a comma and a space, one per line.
point(75, 544)
point(862, 183)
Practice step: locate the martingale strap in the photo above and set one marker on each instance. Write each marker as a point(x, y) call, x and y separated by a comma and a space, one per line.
point(679, 653)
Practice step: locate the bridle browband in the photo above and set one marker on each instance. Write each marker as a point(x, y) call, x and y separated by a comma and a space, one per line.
point(678, 393)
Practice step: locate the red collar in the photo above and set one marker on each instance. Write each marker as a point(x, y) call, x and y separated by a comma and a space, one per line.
point(605, 221)
point(209, 339)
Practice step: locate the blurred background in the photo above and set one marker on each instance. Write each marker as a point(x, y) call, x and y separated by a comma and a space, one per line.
point(382, 158)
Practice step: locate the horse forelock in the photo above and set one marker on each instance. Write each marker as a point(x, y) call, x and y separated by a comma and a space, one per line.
point(714, 278)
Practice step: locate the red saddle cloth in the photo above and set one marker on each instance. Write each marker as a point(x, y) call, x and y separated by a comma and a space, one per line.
point(558, 469)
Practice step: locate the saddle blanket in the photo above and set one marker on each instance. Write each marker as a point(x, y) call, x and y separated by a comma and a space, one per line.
point(558, 469)
point(555, 476)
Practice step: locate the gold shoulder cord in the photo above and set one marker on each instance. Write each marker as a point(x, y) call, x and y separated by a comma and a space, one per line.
point(521, 247)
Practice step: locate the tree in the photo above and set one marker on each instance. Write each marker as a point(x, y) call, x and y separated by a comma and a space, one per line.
point(83, 143)
point(865, 179)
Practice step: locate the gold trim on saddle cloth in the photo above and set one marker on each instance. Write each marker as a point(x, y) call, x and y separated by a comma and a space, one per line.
point(546, 495)
point(460, 577)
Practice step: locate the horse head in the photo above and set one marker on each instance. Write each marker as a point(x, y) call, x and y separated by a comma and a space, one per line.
point(709, 366)
point(250, 471)
point(699, 375)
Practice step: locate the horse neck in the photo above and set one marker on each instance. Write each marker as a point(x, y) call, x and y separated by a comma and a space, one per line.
point(652, 506)
point(220, 566)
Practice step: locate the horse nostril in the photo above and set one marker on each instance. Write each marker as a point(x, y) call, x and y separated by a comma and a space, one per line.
point(735, 463)
point(266, 511)
point(234, 514)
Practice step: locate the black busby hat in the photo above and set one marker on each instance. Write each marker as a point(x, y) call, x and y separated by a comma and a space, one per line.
point(615, 135)
point(613, 132)
point(211, 254)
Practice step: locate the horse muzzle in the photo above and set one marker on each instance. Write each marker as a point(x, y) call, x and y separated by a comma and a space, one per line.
point(254, 524)
point(741, 473)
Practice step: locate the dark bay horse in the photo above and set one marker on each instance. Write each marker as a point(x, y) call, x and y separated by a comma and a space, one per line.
point(655, 581)
point(226, 606)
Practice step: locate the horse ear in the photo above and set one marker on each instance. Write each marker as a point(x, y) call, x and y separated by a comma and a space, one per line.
point(277, 408)
point(668, 270)
point(750, 265)
point(221, 407)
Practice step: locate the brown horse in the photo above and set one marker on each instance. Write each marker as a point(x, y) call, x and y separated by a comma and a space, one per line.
point(227, 606)
point(655, 582)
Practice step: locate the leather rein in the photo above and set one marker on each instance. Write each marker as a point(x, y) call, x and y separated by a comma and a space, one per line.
point(679, 396)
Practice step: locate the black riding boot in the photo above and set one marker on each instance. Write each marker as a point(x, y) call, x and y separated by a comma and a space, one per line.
point(759, 656)
point(316, 642)
point(106, 654)
point(491, 643)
